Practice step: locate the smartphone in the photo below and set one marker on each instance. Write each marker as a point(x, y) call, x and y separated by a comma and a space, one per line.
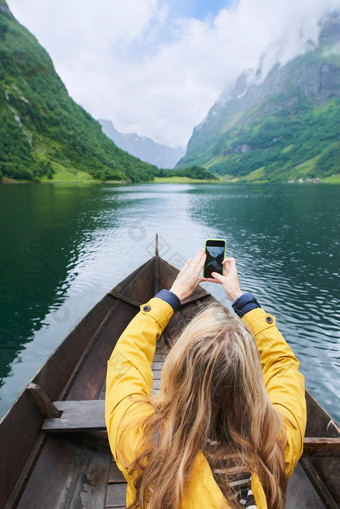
point(215, 251)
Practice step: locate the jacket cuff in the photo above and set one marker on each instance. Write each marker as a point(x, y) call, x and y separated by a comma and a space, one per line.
point(169, 297)
point(247, 302)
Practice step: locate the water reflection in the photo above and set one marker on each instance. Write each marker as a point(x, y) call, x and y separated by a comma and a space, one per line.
point(44, 230)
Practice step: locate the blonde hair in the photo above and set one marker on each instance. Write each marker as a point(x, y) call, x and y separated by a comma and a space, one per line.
point(212, 399)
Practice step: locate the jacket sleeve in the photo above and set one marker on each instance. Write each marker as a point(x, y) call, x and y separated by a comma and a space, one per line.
point(129, 374)
point(284, 383)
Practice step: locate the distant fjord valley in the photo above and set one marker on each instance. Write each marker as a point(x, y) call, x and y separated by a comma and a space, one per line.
point(282, 126)
point(142, 147)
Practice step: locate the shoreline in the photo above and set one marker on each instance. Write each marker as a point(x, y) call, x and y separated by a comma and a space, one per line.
point(174, 180)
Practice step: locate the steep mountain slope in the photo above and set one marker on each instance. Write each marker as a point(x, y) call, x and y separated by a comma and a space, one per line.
point(41, 128)
point(143, 147)
point(285, 126)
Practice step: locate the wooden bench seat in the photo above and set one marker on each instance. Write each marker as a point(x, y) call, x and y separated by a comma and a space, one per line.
point(77, 416)
point(89, 415)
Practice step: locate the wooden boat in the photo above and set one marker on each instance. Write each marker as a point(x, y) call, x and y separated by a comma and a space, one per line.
point(56, 455)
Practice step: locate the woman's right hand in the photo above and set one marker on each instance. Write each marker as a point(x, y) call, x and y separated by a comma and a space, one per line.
point(229, 280)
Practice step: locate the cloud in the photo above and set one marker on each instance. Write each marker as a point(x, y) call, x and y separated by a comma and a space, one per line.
point(155, 74)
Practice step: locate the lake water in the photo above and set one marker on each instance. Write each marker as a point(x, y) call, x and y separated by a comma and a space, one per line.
point(62, 247)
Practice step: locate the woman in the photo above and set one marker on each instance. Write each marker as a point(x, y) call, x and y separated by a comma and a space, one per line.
point(226, 429)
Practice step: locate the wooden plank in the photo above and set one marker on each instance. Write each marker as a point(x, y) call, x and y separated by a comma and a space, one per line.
point(85, 353)
point(157, 365)
point(159, 357)
point(24, 420)
point(89, 482)
point(54, 377)
point(39, 492)
point(319, 423)
point(77, 416)
point(90, 379)
point(168, 274)
point(116, 495)
point(25, 473)
point(300, 492)
point(156, 385)
point(135, 284)
point(123, 298)
point(318, 484)
point(69, 474)
point(327, 469)
point(115, 475)
point(321, 446)
point(89, 415)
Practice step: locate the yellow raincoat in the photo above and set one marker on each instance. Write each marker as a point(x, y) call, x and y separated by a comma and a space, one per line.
point(129, 372)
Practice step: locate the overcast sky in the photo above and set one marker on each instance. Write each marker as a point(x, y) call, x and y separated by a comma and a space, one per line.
point(155, 67)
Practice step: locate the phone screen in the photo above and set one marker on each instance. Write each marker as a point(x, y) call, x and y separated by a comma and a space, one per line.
point(215, 251)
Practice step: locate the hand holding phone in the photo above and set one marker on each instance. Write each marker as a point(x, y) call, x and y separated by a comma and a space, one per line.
point(229, 280)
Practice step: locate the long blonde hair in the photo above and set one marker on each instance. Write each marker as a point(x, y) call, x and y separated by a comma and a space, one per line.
point(212, 399)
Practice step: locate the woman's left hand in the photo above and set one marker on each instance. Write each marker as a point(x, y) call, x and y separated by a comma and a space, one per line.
point(189, 277)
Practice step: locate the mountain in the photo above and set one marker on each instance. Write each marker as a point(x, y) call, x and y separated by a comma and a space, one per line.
point(284, 126)
point(142, 147)
point(42, 130)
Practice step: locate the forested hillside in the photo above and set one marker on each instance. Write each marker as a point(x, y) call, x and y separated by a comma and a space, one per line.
point(42, 130)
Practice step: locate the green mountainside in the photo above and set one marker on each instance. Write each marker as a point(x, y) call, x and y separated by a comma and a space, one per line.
point(284, 127)
point(42, 130)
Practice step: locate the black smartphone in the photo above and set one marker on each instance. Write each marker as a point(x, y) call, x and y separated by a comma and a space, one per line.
point(215, 251)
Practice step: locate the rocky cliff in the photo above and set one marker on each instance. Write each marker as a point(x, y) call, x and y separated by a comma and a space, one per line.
point(285, 125)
